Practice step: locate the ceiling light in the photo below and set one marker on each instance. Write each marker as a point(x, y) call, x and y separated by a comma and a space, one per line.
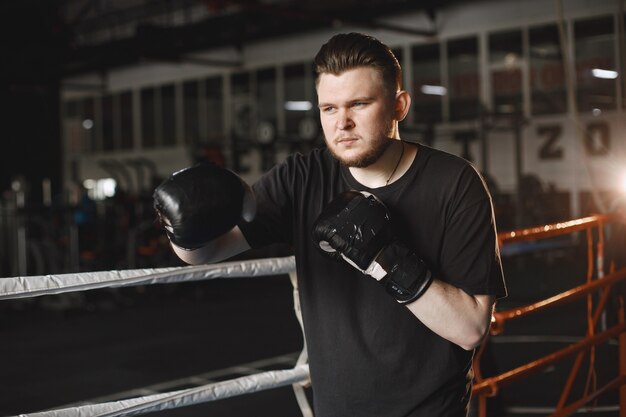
point(298, 105)
point(605, 74)
point(435, 90)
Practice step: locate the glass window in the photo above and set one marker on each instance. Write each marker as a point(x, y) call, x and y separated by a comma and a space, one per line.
point(428, 89)
point(463, 78)
point(265, 104)
point(72, 109)
point(168, 115)
point(126, 120)
point(595, 64)
point(148, 128)
point(73, 125)
point(242, 110)
point(89, 125)
point(108, 141)
point(215, 108)
point(297, 105)
point(547, 79)
point(505, 55)
point(191, 112)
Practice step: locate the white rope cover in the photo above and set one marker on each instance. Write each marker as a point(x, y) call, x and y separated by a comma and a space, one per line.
point(37, 285)
point(175, 399)
point(33, 286)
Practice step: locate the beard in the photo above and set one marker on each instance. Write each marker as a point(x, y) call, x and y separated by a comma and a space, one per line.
point(377, 146)
point(368, 157)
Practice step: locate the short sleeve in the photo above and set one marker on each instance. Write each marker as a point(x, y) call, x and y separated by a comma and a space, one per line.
point(470, 257)
point(273, 219)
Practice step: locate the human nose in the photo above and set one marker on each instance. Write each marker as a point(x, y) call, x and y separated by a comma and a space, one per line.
point(344, 120)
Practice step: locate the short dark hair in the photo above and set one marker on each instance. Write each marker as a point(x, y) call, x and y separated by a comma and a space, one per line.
point(348, 51)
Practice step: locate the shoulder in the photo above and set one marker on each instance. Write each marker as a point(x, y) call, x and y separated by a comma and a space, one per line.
point(298, 168)
point(315, 157)
point(453, 179)
point(445, 166)
point(305, 164)
point(439, 157)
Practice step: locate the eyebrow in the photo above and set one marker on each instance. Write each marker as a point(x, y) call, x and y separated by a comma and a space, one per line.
point(364, 98)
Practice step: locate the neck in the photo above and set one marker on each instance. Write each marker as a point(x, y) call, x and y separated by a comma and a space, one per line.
point(392, 164)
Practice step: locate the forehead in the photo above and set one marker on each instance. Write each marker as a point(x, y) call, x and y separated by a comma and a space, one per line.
point(358, 81)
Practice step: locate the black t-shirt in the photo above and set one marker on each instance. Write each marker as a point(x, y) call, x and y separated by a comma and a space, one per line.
point(369, 355)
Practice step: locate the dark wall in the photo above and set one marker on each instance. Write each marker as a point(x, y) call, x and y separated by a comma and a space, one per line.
point(33, 45)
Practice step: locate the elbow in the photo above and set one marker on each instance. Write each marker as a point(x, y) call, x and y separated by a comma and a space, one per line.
point(474, 337)
point(472, 342)
point(479, 323)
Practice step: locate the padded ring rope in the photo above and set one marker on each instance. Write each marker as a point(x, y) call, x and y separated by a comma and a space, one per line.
point(175, 399)
point(298, 376)
point(37, 285)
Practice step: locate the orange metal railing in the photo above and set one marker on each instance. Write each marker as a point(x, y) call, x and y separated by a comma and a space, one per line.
point(602, 284)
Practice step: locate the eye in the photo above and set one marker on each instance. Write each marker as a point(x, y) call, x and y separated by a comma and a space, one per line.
point(328, 109)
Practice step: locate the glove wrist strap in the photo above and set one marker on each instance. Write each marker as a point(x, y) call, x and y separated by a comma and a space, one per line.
point(407, 276)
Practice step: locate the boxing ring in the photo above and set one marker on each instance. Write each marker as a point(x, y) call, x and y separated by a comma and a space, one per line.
point(597, 283)
point(297, 377)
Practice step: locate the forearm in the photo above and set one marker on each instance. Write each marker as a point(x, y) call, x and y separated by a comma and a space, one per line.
point(453, 314)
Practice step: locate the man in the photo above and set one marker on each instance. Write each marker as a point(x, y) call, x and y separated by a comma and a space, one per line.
point(395, 244)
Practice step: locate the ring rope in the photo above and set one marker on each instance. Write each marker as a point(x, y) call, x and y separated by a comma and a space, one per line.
point(298, 376)
point(38, 285)
point(298, 389)
point(205, 393)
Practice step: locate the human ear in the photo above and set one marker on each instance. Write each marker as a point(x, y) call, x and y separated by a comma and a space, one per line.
point(402, 105)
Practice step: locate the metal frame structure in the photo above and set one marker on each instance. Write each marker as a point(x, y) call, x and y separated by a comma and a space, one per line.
point(489, 387)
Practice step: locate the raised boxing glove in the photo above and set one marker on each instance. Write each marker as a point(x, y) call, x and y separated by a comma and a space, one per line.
point(356, 226)
point(198, 204)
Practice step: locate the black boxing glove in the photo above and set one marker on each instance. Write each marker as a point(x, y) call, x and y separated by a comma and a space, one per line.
point(356, 226)
point(198, 204)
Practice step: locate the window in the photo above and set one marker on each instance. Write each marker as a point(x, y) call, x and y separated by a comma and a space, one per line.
point(265, 105)
point(547, 79)
point(595, 64)
point(72, 109)
point(299, 109)
point(463, 78)
point(505, 61)
point(126, 120)
point(428, 89)
point(108, 116)
point(191, 112)
point(73, 125)
point(89, 138)
point(215, 108)
point(148, 128)
point(242, 106)
point(168, 115)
